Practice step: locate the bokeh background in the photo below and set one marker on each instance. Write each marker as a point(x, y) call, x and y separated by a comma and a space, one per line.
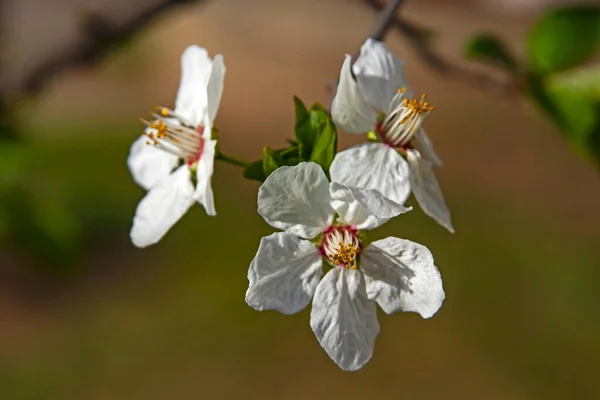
point(108, 321)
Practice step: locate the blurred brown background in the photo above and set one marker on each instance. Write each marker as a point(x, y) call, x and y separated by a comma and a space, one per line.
point(521, 316)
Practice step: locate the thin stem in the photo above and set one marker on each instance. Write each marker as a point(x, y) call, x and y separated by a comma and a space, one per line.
point(231, 160)
point(385, 20)
point(418, 40)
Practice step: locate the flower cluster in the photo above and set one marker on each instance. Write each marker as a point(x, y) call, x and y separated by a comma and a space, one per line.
point(322, 201)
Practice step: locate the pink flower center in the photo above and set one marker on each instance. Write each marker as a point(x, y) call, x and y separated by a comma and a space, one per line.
point(341, 246)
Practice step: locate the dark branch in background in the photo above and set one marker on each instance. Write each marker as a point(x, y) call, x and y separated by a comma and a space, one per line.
point(385, 20)
point(100, 37)
point(383, 24)
point(418, 39)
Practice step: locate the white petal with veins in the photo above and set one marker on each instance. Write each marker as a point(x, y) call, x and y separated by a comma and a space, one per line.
point(401, 276)
point(162, 207)
point(427, 190)
point(148, 165)
point(204, 171)
point(373, 166)
point(284, 274)
point(363, 208)
point(351, 109)
point(344, 319)
point(296, 199)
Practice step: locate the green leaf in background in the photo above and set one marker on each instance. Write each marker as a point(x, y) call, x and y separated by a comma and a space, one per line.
point(572, 101)
point(576, 95)
point(325, 146)
point(584, 81)
point(564, 37)
point(487, 48)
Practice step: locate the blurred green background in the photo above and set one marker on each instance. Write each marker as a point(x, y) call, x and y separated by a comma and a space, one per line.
point(101, 319)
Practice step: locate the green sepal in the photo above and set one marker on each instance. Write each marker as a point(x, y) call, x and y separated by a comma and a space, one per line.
point(254, 171)
point(271, 160)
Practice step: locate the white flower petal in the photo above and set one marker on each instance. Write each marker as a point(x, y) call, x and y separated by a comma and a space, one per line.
point(344, 319)
point(214, 91)
point(192, 102)
point(162, 206)
point(373, 166)
point(284, 274)
point(427, 191)
point(425, 147)
point(350, 108)
point(363, 208)
point(400, 275)
point(379, 74)
point(148, 165)
point(297, 200)
point(204, 171)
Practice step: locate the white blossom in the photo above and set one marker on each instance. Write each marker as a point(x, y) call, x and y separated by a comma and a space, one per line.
point(372, 96)
point(323, 223)
point(174, 157)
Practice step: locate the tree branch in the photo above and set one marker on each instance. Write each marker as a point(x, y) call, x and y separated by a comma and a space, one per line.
point(418, 40)
point(378, 32)
point(100, 36)
point(385, 20)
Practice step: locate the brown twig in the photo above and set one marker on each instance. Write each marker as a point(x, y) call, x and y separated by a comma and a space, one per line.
point(382, 25)
point(100, 37)
point(418, 39)
point(385, 19)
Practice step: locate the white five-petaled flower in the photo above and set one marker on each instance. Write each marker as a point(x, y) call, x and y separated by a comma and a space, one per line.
point(322, 222)
point(174, 157)
point(372, 96)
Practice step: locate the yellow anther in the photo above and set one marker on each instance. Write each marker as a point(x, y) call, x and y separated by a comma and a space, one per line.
point(164, 111)
point(346, 255)
point(402, 90)
point(416, 107)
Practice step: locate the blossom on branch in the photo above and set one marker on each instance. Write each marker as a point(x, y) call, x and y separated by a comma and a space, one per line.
point(174, 157)
point(323, 224)
point(372, 96)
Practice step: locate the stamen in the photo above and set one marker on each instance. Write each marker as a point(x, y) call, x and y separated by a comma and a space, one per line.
point(173, 136)
point(341, 246)
point(406, 117)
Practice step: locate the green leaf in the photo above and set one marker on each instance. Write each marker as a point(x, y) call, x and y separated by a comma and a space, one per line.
point(301, 111)
point(563, 38)
point(325, 146)
point(571, 101)
point(308, 126)
point(487, 48)
point(254, 171)
point(271, 160)
point(584, 81)
point(292, 161)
